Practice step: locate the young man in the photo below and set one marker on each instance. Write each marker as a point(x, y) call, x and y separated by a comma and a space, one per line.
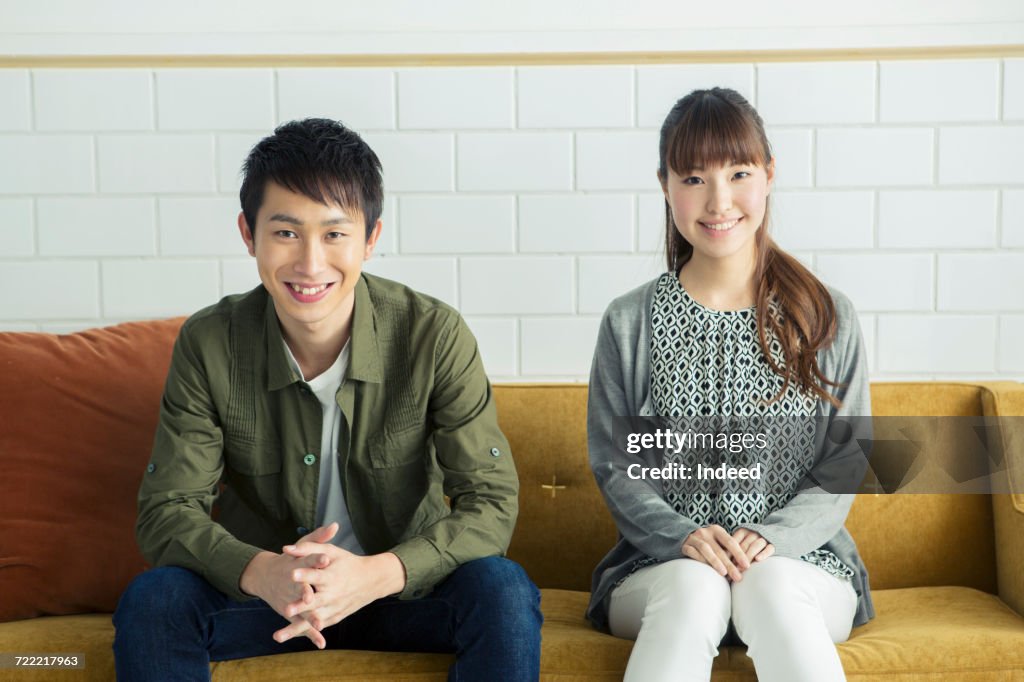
point(332, 400)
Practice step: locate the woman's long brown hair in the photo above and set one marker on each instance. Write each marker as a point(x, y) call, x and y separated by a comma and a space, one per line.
point(718, 127)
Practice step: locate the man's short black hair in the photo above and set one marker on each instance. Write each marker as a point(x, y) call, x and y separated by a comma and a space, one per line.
point(318, 158)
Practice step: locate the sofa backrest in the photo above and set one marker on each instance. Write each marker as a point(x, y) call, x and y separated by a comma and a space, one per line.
point(564, 526)
point(78, 412)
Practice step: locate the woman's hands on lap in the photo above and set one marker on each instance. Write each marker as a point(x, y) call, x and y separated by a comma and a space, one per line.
point(729, 555)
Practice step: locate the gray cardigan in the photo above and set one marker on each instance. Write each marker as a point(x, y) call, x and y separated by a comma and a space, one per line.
point(648, 525)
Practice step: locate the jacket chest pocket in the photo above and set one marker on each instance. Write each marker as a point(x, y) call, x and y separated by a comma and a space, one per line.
point(402, 475)
point(256, 478)
point(391, 450)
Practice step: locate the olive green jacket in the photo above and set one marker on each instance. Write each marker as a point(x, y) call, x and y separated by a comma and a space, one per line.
point(419, 424)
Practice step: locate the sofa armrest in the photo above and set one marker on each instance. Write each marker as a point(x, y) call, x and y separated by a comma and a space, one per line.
point(1005, 400)
point(1009, 522)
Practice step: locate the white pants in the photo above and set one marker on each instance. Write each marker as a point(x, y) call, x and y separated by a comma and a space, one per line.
point(790, 614)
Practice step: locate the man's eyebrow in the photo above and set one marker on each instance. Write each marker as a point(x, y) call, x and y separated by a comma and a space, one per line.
point(291, 220)
point(285, 218)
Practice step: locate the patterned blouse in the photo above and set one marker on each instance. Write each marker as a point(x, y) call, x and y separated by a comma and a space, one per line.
point(706, 365)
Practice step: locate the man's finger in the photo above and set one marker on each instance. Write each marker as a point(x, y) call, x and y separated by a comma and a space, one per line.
point(309, 576)
point(300, 626)
point(321, 535)
point(302, 549)
point(300, 607)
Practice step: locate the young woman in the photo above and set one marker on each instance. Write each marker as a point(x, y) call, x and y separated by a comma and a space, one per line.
point(735, 328)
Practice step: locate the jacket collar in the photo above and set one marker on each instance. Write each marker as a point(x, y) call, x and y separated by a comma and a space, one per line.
point(364, 358)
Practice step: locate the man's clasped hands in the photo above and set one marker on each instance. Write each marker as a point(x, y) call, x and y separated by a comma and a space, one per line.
point(315, 584)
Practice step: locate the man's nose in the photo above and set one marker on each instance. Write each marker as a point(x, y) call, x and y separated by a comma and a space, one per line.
point(312, 258)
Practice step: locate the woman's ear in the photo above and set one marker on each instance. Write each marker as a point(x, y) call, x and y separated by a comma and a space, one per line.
point(770, 170)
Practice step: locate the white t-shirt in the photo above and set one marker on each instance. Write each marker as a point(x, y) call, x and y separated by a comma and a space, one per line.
point(330, 496)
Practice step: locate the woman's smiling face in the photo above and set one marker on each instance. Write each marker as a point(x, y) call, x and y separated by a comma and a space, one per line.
point(718, 209)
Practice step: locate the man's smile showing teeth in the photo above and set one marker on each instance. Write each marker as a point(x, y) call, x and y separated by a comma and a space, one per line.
point(308, 293)
point(721, 227)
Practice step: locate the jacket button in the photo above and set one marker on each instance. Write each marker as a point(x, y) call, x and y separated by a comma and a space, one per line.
point(150, 467)
point(495, 452)
point(309, 459)
point(301, 530)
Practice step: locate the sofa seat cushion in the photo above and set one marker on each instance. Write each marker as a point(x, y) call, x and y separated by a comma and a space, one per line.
point(944, 633)
point(947, 633)
point(89, 636)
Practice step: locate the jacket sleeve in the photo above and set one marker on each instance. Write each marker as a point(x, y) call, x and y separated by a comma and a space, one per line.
point(814, 515)
point(476, 462)
point(174, 527)
point(642, 516)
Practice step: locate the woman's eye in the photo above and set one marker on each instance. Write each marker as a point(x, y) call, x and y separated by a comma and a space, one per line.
point(741, 174)
point(692, 180)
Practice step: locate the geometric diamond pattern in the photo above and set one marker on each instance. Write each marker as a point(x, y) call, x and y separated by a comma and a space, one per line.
point(707, 366)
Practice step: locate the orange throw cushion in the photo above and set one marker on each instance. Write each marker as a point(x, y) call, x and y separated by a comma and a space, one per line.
point(77, 418)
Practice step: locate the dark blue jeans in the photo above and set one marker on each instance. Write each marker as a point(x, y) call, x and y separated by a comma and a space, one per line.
point(170, 623)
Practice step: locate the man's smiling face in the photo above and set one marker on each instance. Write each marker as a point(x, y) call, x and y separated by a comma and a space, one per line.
point(309, 256)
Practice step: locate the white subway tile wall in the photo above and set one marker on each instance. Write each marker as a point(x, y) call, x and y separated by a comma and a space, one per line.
point(1013, 90)
point(496, 162)
point(458, 224)
point(526, 196)
point(458, 98)
point(70, 99)
point(1011, 340)
point(214, 99)
point(939, 91)
point(363, 98)
point(16, 113)
point(575, 223)
point(839, 92)
point(660, 87)
point(872, 157)
point(880, 282)
point(1013, 217)
point(155, 164)
point(823, 220)
point(17, 238)
point(575, 97)
point(981, 155)
point(96, 226)
point(794, 163)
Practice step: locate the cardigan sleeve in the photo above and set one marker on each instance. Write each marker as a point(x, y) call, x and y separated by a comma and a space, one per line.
point(814, 515)
point(642, 516)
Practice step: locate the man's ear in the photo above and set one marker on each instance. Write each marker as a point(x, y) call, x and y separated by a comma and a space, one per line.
point(243, 229)
point(371, 241)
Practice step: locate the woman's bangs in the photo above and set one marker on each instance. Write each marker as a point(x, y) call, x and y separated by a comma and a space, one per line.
point(714, 133)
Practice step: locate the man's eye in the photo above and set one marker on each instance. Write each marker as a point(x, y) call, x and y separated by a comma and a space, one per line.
point(287, 234)
point(335, 235)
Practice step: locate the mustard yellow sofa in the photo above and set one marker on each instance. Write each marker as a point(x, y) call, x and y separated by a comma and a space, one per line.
point(947, 570)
